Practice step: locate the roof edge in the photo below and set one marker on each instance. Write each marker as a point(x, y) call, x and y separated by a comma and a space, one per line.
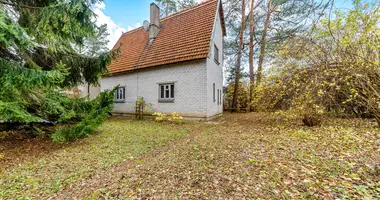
point(175, 14)
point(154, 66)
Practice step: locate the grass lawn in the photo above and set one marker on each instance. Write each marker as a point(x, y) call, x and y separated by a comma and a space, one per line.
point(236, 156)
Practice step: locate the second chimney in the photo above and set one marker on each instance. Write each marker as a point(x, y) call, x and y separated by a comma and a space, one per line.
point(154, 27)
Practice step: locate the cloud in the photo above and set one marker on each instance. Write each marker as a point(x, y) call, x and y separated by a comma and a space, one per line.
point(135, 26)
point(114, 30)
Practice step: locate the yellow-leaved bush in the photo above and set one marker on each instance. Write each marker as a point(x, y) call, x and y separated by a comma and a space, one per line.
point(175, 117)
point(159, 116)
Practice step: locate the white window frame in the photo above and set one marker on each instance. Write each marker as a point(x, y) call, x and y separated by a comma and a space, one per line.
point(120, 94)
point(167, 87)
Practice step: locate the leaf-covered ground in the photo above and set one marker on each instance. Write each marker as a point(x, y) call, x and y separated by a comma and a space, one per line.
point(236, 156)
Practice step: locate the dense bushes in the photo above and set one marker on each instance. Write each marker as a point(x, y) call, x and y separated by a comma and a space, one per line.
point(334, 69)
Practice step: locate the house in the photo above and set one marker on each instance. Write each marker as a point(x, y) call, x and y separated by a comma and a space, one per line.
point(176, 64)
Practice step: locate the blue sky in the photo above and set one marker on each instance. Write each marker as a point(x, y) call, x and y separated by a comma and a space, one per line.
point(127, 12)
point(125, 15)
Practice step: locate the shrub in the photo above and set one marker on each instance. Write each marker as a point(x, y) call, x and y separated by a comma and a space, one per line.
point(101, 107)
point(175, 117)
point(159, 116)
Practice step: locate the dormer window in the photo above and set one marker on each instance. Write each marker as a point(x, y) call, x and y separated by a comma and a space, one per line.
point(216, 54)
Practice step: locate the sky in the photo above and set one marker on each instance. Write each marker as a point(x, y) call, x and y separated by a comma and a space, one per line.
point(125, 15)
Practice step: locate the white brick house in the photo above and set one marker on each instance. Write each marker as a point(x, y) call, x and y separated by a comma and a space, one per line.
point(176, 65)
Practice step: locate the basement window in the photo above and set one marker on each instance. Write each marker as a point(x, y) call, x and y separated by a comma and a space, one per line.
point(166, 92)
point(216, 54)
point(120, 94)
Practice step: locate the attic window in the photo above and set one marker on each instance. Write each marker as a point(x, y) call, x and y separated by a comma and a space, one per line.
point(216, 54)
point(166, 92)
point(120, 94)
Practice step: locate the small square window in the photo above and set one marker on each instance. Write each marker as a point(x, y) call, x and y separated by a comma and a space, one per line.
point(166, 92)
point(120, 94)
point(216, 54)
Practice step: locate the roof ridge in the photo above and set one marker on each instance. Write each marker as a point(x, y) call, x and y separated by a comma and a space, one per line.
point(132, 31)
point(206, 2)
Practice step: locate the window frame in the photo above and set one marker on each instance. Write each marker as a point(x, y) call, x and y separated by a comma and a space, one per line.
point(116, 95)
point(216, 54)
point(167, 87)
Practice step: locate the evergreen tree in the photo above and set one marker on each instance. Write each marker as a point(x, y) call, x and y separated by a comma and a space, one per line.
point(38, 57)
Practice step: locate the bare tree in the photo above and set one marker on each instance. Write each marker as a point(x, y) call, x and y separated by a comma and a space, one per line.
point(239, 55)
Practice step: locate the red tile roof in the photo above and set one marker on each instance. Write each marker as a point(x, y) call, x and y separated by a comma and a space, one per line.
point(183, 36)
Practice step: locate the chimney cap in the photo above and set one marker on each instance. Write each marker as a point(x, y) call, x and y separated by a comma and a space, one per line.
point(154, 4)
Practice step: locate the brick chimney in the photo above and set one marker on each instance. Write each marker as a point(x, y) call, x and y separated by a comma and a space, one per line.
point(154, 27)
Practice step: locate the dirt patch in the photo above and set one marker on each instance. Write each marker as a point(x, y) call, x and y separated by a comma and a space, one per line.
point(16, 150)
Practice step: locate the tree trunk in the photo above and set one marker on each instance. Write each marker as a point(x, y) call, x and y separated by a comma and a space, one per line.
point(167, 8)
point(251, 53)
point(262, 46)
point(238, 62)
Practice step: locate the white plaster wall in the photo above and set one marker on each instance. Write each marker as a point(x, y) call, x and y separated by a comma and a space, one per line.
point(215, 71)
point(190, 80)
point(93, 93)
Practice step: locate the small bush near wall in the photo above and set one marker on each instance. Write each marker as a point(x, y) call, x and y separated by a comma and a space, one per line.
point(174, 117)
point(159, 116)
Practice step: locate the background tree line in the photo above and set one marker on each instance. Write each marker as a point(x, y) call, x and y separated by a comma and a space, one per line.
point(317, 59)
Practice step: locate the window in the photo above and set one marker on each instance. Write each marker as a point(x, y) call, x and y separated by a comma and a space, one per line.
point(213, 91)
point(120, 94)
point(216, 54)
point(218, 97)
point(166, 92)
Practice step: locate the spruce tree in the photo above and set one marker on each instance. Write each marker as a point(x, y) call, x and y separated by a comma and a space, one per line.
point(39, 57)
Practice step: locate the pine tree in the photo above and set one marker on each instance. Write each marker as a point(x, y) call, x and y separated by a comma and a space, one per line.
point(171, 6)
point(168, 6)
point(284, 19)
point(251, 50)
point(238, 60)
